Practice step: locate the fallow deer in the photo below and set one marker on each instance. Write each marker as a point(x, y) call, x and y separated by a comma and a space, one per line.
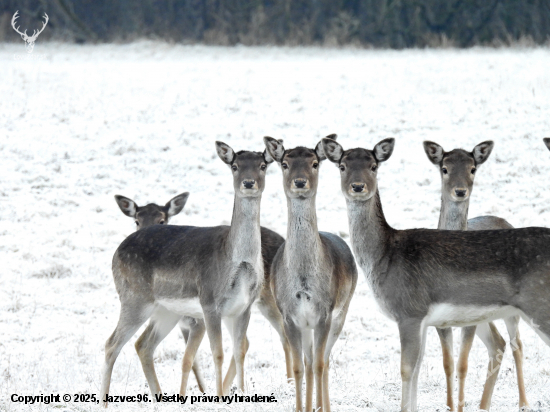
point(458, 169)
point(441, 278)
point(163, 273)
point(153, 214)
point(313, 275)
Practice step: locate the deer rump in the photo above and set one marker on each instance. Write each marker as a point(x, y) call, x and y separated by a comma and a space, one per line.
point(484, 272)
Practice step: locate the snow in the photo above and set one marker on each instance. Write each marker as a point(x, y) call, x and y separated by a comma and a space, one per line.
point(87, 122)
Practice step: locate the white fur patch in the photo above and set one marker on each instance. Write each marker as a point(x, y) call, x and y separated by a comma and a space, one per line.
point(239, 301)
point(305, 316)
point(443, 315)
point(184, 307)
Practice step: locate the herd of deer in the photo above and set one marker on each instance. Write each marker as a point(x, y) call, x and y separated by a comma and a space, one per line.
point(466, 274)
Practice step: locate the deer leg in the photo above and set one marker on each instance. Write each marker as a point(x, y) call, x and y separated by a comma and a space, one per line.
point(161, 323)
point(213, 324)
point(185, 327)
point(229, 323)
point(130, 319)
point(294, 336)
point(307, 344)
point(232, 370)
point(446, 338)
point(412, 334)
point(466, 340)
point(321, 334)
point(414, 397)
point(512, 324)
point(268, 308)
point(240, 345)
point(336, 327)
point(288, 359)
point(496, 346)
point(230, 375)
point(194, 339)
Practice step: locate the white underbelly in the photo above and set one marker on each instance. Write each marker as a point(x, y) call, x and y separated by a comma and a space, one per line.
point(443, 315)
point(184, 307)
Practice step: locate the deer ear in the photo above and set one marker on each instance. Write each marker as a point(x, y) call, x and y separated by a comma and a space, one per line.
point(128, 206)
point(434, 152)
point(333, 150)
point(267, 157)
point(383, 149)
point(546, 141)
point(176, 204)
point(319, 148)
point(482, 151)
point(275, 148)
point(225, 152)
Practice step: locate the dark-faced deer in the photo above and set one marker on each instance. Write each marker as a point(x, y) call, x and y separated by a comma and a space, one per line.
point(313, 275)
point(153, 214)
point(457, 169)
point(163, 273)
point(440, 278)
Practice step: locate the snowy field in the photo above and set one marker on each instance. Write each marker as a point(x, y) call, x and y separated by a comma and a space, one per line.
point(88, 122)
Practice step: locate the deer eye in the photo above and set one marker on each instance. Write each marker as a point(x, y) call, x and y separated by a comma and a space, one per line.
point(315, 165)
point(284, 165)
point(137, 223)
point(473, 170)
point(444, 170)
point(263, 167)
point(234, 168)
point(374, 168)
point(342, 168)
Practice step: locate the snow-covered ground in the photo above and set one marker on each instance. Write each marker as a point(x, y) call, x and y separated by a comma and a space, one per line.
point(88, 122)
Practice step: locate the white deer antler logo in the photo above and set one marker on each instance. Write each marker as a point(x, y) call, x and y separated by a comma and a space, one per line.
point(29, 39)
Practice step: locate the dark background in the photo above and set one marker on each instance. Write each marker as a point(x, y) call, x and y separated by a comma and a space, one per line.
point(370, 23)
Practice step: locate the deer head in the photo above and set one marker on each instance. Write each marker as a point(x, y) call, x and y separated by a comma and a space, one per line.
point(29, 39)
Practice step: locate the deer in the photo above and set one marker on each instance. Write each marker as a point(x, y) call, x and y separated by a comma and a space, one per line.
point(546, 141)
point(212, 274)
point(30, 40)
point(441, 278)
point(153, 214)
point(457, 170)
point(313, 275)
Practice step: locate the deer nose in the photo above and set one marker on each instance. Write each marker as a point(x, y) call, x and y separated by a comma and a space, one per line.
point(300, 183)
point(460, 192)
point(358, 187)
point(249, 184)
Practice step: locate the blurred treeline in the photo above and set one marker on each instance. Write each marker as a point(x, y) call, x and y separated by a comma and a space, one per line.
point(376, 23)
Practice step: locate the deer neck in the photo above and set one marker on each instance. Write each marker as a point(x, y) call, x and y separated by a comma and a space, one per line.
point(244, 240)
point(369, 232)
point(453, 215)
point(303, 243)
